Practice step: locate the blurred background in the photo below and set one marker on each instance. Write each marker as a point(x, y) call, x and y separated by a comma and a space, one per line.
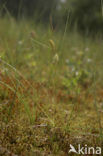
point(86, 16)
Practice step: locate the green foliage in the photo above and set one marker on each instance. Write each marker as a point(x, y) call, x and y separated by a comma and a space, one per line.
point(20, 8)
point(86, 15)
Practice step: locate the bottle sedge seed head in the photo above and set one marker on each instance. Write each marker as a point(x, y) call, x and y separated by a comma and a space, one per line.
point(52, 44)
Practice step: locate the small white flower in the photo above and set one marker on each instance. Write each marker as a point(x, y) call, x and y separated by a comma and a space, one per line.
point(67, 61)
point(73, 69)
point(77, 73)
point(87, 49)
point(101, 104)
point(89, 60)
point(20, 42)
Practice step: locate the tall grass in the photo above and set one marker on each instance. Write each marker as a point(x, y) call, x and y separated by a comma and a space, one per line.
point(50, 96)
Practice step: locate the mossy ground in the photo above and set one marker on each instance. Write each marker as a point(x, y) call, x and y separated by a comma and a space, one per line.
point(51, 90)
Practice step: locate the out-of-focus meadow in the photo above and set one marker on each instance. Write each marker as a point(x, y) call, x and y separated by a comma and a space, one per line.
point(51, 89)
